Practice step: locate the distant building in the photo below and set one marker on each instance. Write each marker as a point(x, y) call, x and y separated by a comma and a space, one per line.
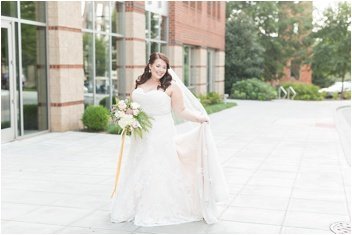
point(72, 54)
point(295, 70)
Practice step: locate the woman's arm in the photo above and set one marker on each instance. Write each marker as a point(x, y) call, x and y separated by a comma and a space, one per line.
point(179, 107)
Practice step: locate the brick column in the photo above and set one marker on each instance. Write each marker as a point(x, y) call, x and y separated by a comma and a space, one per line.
point(176, 59)
point(219, 82)
point(135, 42)
point(65, 57)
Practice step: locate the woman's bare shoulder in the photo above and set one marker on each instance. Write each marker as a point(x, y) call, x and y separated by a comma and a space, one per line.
point(170, 89)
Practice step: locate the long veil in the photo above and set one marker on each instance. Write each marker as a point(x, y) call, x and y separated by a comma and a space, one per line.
point(209, 178)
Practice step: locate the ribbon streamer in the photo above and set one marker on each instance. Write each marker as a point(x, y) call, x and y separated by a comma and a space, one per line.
point(118, 167)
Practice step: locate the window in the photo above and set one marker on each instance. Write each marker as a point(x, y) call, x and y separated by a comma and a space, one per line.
point(295, 69)
point(156, 31)
point(199, 5)
point(214, 8)
point(103, 54)
point(29, 64)
point(102, 16)
point(87, 15)
point(188, 67)
point(9, 8)
point(155, 26)
point(218, 8)
point(116, 17)
point(210, 70)
point(34, 78)
point(32, 10)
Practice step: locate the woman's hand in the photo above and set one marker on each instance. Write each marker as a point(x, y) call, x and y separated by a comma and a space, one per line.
point(202, 119)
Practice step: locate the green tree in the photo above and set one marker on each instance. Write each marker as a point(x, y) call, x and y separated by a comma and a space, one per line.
point(244, 54)
point(332, 52)
point(275, 27)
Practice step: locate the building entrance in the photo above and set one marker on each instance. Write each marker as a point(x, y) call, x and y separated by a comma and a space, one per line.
point(8, 120)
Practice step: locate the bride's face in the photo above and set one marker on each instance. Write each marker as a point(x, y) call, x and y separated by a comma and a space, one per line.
point(158, 68)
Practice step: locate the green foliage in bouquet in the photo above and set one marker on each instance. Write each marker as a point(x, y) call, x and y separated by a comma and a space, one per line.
point(114, 129)
point(127, 117)
point(145, 122)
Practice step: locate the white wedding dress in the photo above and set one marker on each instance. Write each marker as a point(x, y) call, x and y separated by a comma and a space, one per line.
point(161, 181)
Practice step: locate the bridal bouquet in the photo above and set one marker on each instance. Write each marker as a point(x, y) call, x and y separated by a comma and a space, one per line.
point(130, 118)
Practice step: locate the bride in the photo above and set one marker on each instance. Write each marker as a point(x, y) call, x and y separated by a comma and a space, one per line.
point(169, 178)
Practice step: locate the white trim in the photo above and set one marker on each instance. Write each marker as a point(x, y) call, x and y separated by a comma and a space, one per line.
point(9, 134)
point(159, 7)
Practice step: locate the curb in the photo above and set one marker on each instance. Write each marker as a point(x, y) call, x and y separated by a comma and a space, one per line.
point(344, 130)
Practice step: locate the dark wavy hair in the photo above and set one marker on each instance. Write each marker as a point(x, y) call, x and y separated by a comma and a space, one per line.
point(165, 81)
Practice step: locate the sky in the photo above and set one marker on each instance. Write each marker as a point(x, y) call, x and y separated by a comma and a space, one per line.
point(320, 5)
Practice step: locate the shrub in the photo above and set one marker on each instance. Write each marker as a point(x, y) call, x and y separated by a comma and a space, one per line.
point(252, 89)
point(335, 96)
point(210, 98)
point(5, 124)
point(103, 102)
point(30, 114)
point(95, 118)
point(305, 91)
point(347, 95)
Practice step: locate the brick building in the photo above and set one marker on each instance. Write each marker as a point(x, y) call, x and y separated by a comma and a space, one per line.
point(58, 57)
point(296, 71)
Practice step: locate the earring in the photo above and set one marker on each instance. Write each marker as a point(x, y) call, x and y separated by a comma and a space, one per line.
point(149, 71)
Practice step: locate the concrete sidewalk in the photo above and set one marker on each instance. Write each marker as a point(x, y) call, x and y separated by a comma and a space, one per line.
point(283, 160)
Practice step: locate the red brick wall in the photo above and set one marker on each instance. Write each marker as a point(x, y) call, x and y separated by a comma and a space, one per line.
point(137, 6)
point(305, 70)
point(191, 24)
point(305, 75)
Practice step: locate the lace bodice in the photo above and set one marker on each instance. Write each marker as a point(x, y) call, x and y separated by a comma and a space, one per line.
point(154, 102)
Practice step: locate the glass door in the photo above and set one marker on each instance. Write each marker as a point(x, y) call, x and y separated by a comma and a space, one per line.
point(8, 120)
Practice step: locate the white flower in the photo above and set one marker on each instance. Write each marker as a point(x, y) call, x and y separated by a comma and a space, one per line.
point(135, 105)
point(122, 105)
point(120, 114)
point(135, 112)
point(136, 124)
point(125, 121)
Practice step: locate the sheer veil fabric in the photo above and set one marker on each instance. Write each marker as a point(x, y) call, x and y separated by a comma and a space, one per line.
point(170, 176)
point(197, 150)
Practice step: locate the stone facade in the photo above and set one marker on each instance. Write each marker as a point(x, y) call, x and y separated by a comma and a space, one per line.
point(198, 27)
point(65, 58)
